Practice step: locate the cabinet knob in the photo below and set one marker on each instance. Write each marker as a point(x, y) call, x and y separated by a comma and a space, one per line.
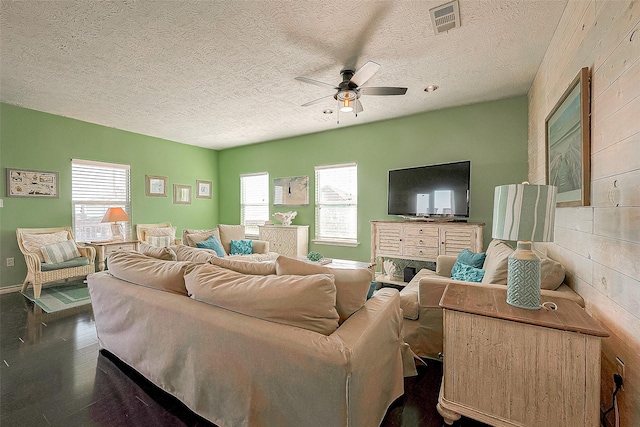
point(420, 231)
point(421, 242)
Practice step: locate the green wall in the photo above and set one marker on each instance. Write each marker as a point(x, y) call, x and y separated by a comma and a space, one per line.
point(493, 135)
point(35, 140)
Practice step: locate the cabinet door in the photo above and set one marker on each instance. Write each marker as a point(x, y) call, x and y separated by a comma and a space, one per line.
point(455, 239)
point(388, 240)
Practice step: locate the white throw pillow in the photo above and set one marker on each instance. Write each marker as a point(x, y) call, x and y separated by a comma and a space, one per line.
point(33, 242)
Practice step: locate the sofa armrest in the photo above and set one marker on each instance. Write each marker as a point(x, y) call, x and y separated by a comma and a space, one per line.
point(444, 264)
point(260, 246)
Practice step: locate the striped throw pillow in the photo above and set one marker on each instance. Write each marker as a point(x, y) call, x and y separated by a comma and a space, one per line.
point(161, 241)
point(60, 252)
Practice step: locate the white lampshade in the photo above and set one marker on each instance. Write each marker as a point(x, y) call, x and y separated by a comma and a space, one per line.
point(524, 212)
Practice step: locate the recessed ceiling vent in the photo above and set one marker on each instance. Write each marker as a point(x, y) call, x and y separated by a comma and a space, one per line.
point(445, 17)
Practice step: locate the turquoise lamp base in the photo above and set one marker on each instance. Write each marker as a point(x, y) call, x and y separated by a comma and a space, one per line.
point(523, 278)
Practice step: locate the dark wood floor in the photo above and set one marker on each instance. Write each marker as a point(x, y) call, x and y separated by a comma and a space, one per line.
point(52, 373)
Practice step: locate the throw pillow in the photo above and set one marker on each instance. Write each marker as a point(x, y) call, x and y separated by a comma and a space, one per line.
point(241, 247)
point(551, 272)
point(246, 267)
point(163, 253)
point(471, 258)
point(160, 231)
point(33, 242)
point(466, 273)
point(352, 285)
point(187, 253)
point(496, 263)
point(303, 301)
point(160, 241)
point(191, 237)
point(60, 252)
point(142, 270)
point(212, 243)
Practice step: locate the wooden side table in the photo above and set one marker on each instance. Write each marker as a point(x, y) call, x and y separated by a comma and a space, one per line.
point(507, 366)
point(103, 249)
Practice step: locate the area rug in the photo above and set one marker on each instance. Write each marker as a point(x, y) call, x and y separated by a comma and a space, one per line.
point(61, 297)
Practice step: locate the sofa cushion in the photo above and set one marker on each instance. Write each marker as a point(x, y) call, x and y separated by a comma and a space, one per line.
point(551, 272)
point(196, 255)
point(241, 247)
point(212, 243)
point(303, 301)
point(163, 253)
point(352, 285)
point(473, 259)
point(60, 252)
point(496, 262)
point(229, 233)
point(466, 272)
point(246, 267)
point(142, 270)
point(33, 242)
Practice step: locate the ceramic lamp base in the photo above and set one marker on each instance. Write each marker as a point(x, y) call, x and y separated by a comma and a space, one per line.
point(523, 278)
point(116, 231)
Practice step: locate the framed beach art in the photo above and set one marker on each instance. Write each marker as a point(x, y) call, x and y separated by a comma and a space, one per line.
point(567, 137)
point(203, 189)
point(156, 186)
point(30, 183)
point(291, 191)
point(181, 194)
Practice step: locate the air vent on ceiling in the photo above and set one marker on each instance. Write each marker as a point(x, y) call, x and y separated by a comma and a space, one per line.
point(445, 17)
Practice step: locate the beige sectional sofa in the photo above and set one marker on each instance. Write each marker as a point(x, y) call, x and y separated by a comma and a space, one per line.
point(248, 344)
point(422, 325)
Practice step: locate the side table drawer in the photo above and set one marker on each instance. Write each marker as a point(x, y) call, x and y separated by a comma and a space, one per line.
point(123, 247)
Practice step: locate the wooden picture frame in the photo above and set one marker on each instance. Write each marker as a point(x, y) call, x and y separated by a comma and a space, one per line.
point(181, 194)
point(567, 143)
point(291, 191)
point(203, 189)
point(155, 186)
point(32, 183)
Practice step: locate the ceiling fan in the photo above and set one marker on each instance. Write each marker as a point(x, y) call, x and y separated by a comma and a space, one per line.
point(349, 91)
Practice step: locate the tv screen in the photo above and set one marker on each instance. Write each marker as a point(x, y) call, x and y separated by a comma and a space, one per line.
point(435, 190)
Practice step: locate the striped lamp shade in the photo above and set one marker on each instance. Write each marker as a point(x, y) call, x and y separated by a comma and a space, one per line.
point(524, 212)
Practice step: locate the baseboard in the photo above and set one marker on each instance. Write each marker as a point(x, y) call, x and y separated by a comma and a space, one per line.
point(9, 289)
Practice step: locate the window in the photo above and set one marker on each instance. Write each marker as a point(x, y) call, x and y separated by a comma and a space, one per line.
point(337, 204)
point(96, 187)
point(254, 201)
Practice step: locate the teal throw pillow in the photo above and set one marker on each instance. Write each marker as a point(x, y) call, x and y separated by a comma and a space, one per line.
point(212, 243)
point(241, 247)
point(466, 272)
point(471, 258)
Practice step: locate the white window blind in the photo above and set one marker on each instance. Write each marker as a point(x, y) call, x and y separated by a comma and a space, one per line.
point(96, 187)
point(254, 201)
point(337, 203)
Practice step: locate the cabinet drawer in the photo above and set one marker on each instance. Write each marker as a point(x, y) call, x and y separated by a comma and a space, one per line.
point(422, 242)
point(417, 231)
point(418, 252)
point(123, 247)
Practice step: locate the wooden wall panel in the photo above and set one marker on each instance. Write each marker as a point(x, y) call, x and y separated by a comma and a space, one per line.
point(599, 245)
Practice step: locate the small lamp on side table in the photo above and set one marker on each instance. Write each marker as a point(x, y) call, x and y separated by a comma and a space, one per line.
point(114, 215)
point(526, 213)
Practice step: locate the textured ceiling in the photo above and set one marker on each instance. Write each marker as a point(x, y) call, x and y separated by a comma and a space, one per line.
point(221, 73)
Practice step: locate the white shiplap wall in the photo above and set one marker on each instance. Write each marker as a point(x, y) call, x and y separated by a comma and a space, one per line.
point(600, 244)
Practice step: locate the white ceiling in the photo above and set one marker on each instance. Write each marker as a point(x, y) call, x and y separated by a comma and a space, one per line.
point(219, 74)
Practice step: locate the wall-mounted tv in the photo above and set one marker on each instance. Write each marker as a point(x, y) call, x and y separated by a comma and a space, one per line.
point(430, 191)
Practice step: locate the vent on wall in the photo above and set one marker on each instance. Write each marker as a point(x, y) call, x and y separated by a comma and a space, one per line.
point(445, 17)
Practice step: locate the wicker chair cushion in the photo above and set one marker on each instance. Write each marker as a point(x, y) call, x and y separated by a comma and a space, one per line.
point(75, 262)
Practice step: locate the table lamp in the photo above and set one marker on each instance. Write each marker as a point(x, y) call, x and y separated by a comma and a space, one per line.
point(114, 215)
point(525, 213)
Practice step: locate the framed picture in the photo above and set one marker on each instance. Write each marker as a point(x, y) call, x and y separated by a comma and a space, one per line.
point(567, 143)
point(291, 191)
point(204, 189)
point(181, 194)
point(156, 186)
point(29, 183)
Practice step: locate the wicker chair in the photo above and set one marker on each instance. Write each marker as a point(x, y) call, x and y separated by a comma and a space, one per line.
point(142, 228)
point(35, 274)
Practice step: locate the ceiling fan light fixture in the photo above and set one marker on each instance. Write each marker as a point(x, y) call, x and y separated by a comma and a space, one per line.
point(346, 106)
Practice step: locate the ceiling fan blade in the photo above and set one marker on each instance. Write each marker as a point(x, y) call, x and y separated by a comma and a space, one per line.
point(364, 73)
point(358, 108)
point(316, 82)
point(383, 90)
point(316, 101)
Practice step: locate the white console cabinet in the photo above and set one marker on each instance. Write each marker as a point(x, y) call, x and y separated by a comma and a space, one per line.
point(290, 240)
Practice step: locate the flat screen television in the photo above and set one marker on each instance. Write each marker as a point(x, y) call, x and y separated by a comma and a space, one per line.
point(430, 191)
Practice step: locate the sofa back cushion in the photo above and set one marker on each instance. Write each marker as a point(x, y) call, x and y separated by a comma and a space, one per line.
point(142, 270)
point(229, 233)
point(163, 253)
point(246, 267)
point(551, 272)
point(303, 301)
point(496, 262)
point(187, 253)
point(352, 285)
